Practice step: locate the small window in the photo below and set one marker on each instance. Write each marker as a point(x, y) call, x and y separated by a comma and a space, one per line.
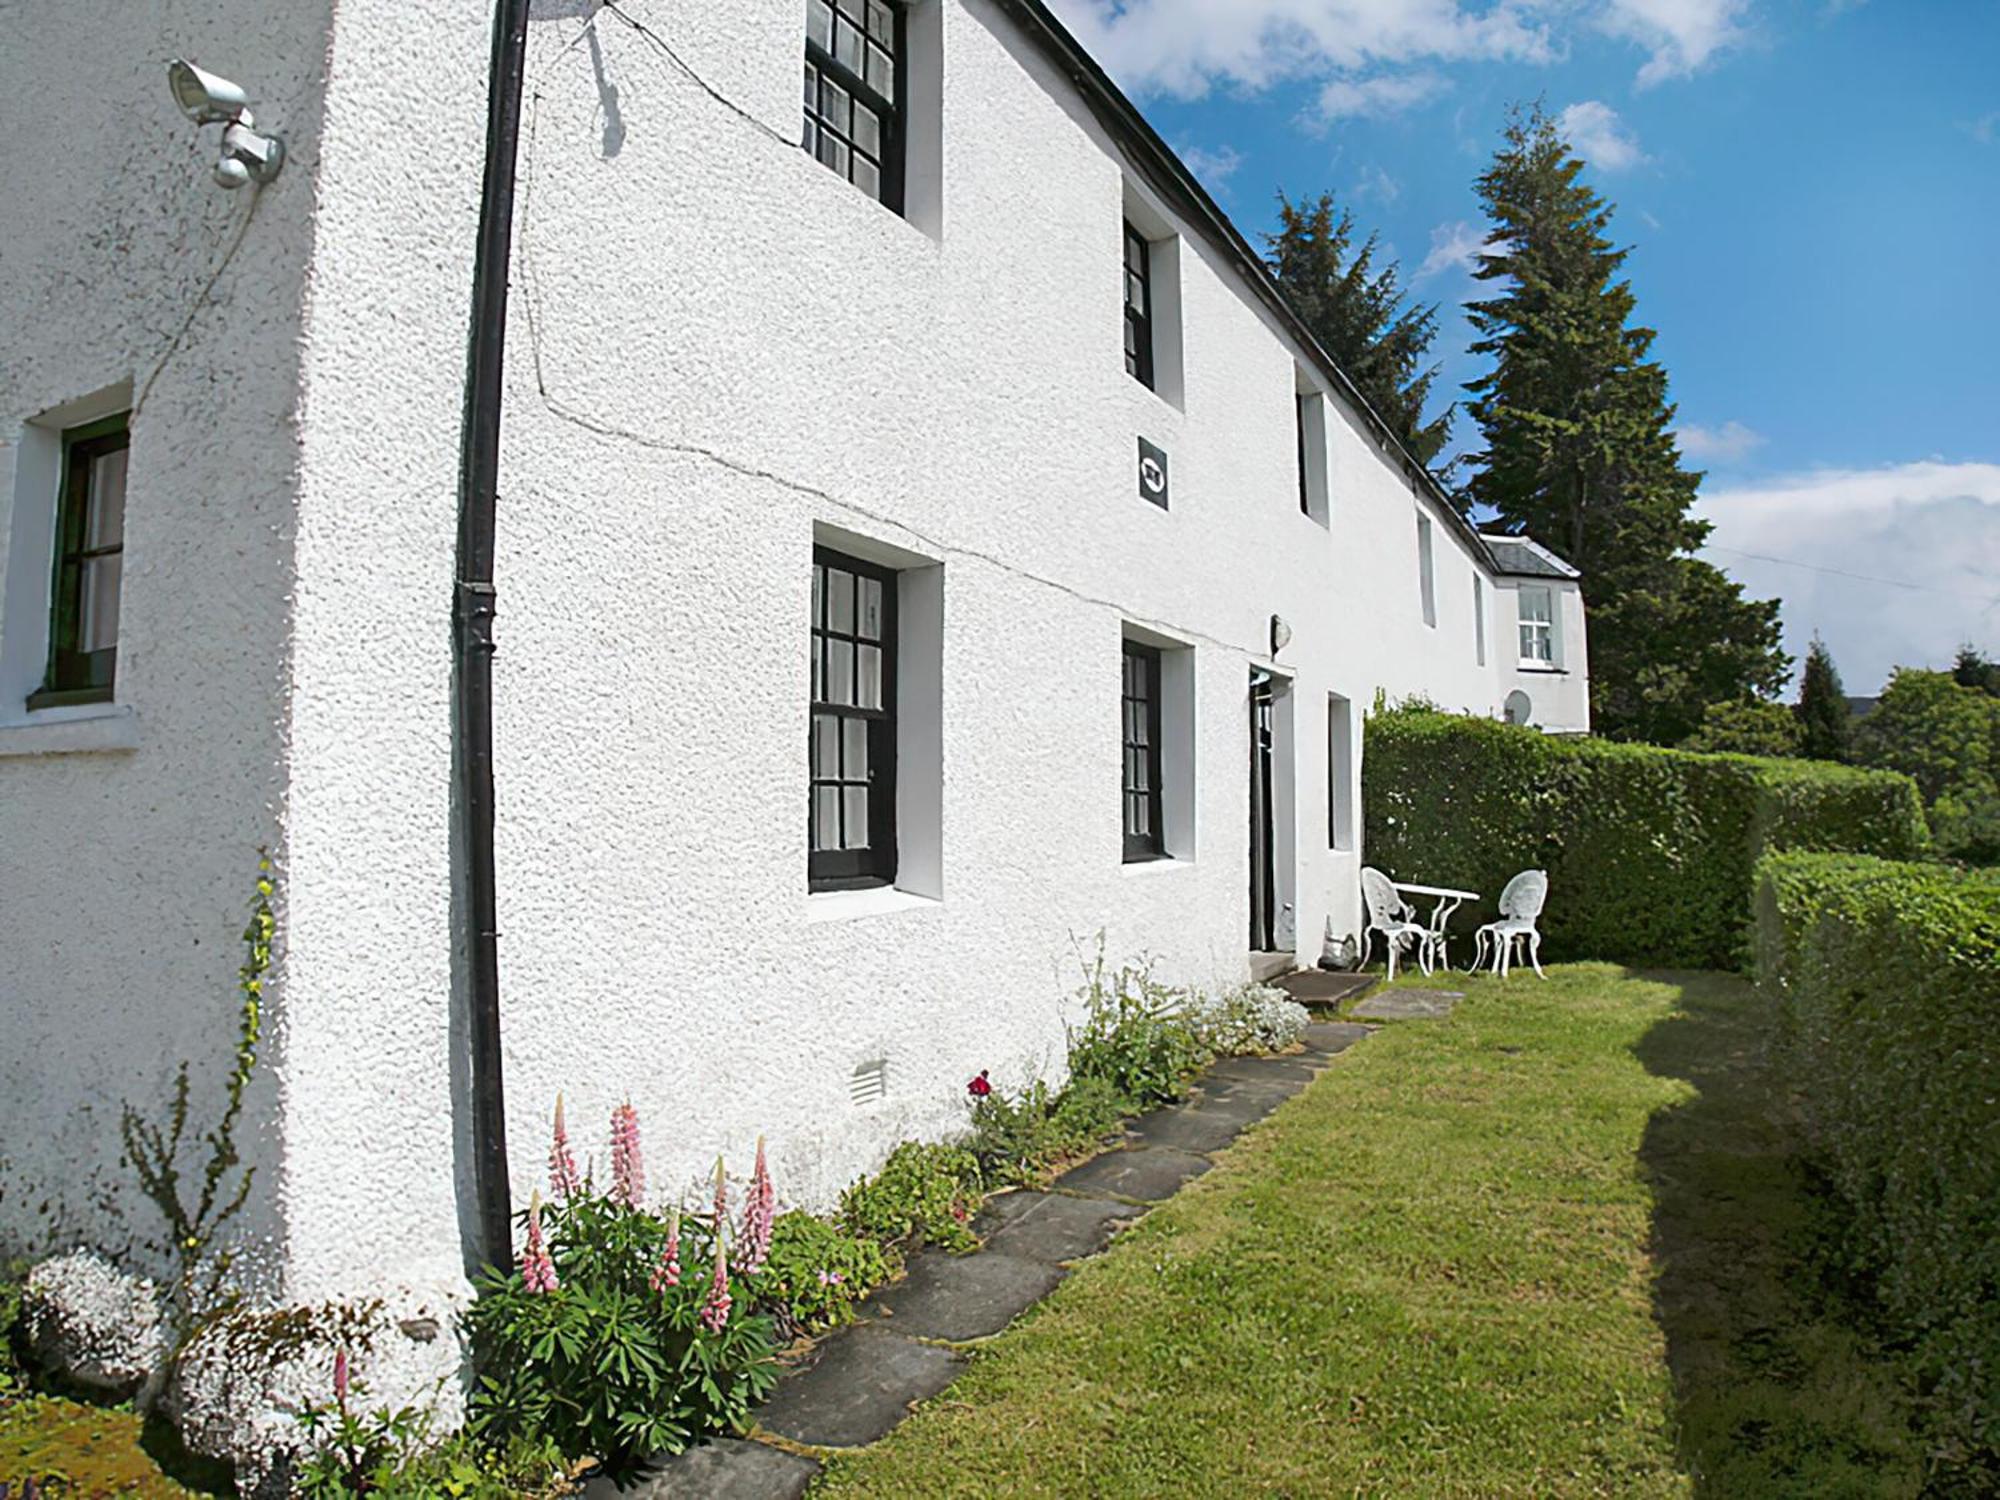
point(1427, 571)
point(1312, 455)
point(1305, 474)
point(89, 566)
point(1138, 306)
point(1145, 825)
point(1339, 772)
point(855, 65)
point(1538, 631)
point(1479, 617)
point(852, 816)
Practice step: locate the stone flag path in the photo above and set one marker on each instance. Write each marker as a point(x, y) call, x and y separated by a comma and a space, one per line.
point(905, 1346)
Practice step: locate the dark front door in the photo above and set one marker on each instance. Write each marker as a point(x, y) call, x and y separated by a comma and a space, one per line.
point(1263, 869)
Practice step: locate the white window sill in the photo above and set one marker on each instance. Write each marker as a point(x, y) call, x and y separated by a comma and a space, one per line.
point(880, 901)
point(1156, 866)
point(1542, 669)
point(94, 728)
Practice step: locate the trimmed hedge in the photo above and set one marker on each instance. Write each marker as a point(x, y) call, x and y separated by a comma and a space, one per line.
point(1651, 853)
point(1887, 983)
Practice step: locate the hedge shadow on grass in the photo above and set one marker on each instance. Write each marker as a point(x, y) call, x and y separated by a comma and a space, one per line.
point(1778, 1390)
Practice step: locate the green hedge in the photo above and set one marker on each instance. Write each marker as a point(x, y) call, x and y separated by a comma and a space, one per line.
point(1887, 982)
point(1651, 853)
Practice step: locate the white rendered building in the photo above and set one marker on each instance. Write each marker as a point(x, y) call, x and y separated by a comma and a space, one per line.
point(918, 554)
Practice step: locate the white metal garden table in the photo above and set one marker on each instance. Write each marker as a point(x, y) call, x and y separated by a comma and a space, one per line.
point(1448, 901)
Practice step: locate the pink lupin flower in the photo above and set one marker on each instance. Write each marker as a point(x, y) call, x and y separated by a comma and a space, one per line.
point(628, 1166)
point(759, 1212)
point(538, 1269)
point(715, 1316)
point(340, 1378)
point(564, 1183)
point(668, 1272)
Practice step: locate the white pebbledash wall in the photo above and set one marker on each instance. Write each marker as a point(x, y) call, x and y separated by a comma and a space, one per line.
point(719, 353)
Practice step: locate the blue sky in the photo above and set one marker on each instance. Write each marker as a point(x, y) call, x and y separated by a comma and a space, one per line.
point(1811, 191)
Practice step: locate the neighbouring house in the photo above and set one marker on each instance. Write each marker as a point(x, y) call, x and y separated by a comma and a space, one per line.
point(919, 553)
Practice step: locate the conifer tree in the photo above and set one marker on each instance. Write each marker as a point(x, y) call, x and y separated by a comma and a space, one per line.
point(1354, 306)
point(1580, 451)
point(1824, 716)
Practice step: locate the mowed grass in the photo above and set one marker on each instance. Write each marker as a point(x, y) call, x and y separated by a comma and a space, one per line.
point(1468, 1261)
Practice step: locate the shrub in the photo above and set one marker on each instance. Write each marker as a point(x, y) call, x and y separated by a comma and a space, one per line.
point(1018, 1140)
point(1135, 1034)
point(924, 1194)
point(620, 1335)
point(1887, 982)
point(817, 1272)
point(1248, 1019)
point(1650, 852)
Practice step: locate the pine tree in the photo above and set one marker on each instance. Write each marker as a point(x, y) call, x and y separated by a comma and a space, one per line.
point(1823, 713)
point(1580, 452)
point(1355, 309)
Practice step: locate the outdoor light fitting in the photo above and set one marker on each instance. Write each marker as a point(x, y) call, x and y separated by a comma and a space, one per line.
point(1281, 634)
point(248, 154)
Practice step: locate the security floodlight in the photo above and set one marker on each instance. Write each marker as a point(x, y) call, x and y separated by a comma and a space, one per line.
point(248, 154)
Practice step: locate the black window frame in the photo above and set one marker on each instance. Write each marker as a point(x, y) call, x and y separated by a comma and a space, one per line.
point(892, 108)
point(1151, 842)
point(1139, 360)
point(74, 676)
point(875, 865)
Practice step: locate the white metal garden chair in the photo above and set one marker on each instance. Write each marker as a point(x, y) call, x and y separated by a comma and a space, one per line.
point(1391, 916)
point(1521, 906)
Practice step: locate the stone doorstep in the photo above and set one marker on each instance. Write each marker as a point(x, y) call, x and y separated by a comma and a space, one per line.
point(864, 1380)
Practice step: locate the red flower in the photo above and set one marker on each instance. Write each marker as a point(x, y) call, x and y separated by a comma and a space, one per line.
point(979, 1088)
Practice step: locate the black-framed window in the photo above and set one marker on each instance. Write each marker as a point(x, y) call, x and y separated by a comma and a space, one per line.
point(855, 93)
point(852, 755)
point(89, 566)
point(1138, 306)
point(1305, 476)
point(1145, 829)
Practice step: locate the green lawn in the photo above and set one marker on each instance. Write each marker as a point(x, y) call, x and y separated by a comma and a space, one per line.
point(1555, 1245)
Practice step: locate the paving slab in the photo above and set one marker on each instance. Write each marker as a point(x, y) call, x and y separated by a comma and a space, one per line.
point(863, 1383)
point(1293, 1069)
point(1326, 1038)
point(723, 1469)
point(1261, 1095)
point(1325, 986)
point(959, 1297)
point(1408, 1005)
point(1146, 1173)
point(1056, 1228)
point(1202, 1128)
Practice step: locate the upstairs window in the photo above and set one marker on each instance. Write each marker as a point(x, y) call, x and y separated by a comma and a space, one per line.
point(1145, 824)
point(1538, 629)
point(1479, 617)
point(1305, 473)
point(852, 816)
point(855, 69)
point(1138, 307)
point(89, 566)
point(1427, 570)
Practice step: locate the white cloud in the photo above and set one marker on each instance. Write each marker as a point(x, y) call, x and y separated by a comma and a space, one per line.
point(1212, 168)
point(1681, 35)
point(1893, 566)
point(1985, 129)
point(1454, 246)
point(1182, 47)
point(1383, 94)
point(1730, 443)
point(1377, 184)
point(1600, 136)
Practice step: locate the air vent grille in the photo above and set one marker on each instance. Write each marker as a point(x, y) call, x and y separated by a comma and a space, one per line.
point(870, 1082)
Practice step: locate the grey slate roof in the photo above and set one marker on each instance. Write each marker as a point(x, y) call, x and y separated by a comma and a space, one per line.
point(1518, 555)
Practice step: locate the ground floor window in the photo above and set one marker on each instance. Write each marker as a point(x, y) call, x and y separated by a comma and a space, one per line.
point(1145, 828)
point(851, 818)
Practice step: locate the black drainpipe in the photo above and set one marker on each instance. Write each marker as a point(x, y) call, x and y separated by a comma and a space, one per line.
point(472, 619)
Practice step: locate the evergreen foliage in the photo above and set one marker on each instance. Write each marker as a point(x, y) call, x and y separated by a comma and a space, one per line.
point(1748, 726)
point(1353, 303)
point(1650, 852)
point(1973, 670)
point(1825, 721)
point(1887, 983)
point(1580, 452)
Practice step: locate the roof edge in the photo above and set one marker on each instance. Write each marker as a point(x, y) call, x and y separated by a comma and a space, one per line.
point(1562, 565)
